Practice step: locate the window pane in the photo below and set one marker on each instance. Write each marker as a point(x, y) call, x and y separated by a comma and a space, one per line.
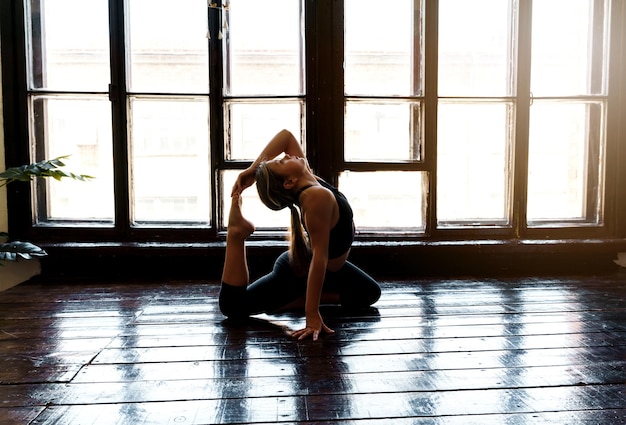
point(569, 54)
point(392, 200)
point(252, 207)
point(80, 128)
point(264, 47)
point(475, 47)
point(566, 157)
point(473, 169)
point(383, 48)
point(252, 125)
point(168, 46)
point(383, 131)
point(170, 160)
point(69, 45)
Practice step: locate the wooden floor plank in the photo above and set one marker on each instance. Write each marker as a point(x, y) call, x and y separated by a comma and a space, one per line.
point(19, 415)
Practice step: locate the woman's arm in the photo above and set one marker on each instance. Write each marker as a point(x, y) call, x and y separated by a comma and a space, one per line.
point(283, 142)
point(318, 217)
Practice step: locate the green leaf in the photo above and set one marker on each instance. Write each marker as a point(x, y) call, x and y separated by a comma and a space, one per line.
point(12, 250)
point(46, 168)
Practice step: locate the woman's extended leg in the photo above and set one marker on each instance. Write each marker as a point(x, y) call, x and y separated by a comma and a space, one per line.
point(237, 298)
point(235, 271)
point(235, 275)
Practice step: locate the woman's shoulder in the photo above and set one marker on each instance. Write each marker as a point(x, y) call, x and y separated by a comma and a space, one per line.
point(315, 196)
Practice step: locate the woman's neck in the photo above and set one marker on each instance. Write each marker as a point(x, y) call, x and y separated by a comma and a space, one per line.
point(305, 181)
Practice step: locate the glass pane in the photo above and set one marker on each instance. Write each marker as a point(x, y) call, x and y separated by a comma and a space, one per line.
point(252, 207)
point(170, 160)
point(569, 54)
point(69, 45)
point(168, 46)
point(252, 125)
point(473, 167)
point(475, 47)
point(80, 128)
point(264, 46)
point(393, 200)
point(383, 131)
point(383, 48)
point(566, 157)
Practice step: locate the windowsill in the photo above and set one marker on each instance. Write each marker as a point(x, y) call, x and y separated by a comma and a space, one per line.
point(381, 259)
point(504, 244)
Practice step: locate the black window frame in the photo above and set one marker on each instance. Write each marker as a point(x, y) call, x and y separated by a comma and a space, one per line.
point(325, 101)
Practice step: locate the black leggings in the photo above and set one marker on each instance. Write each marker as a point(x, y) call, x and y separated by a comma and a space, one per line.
point(281, 286)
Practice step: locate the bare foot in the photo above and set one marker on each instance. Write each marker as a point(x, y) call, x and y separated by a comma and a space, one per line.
point(238, 226)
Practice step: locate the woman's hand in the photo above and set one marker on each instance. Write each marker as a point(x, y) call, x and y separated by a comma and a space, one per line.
point(245, 179)
point(314, 325)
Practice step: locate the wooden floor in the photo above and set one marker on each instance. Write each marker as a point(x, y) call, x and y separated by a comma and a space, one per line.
point(531, 350)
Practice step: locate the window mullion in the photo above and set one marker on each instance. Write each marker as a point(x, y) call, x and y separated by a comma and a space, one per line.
point(431, 36)
point(616, 128)
point(325, 106)
point(216, 114)
point(594, 204)
point(39, 150)
point(522, 118)
point(118, 93)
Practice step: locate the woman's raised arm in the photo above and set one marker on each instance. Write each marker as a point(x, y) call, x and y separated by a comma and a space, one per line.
point(283, 142)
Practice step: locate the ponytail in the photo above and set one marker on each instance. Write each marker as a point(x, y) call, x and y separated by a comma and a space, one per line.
point(299, 249)
point(275, 197)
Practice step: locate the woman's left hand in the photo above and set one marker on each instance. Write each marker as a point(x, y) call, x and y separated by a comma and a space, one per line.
point(314, 325)
point(245, 179)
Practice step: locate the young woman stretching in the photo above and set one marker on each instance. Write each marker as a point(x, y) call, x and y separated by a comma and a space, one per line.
point(315, 270)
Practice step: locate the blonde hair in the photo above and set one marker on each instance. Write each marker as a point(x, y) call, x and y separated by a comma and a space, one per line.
point(269, 185)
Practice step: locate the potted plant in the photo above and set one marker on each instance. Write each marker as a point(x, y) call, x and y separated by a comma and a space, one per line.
point(14, 250)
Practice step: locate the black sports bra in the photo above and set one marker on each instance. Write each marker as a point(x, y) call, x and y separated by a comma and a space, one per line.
point(342, 235)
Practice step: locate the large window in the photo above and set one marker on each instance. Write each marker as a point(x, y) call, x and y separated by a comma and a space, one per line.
point(437, 119)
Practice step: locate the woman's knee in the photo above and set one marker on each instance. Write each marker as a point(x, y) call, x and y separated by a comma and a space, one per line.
point(356, 288)
point(373, 294)
point(360, 296)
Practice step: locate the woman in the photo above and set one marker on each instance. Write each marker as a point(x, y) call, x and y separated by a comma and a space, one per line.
point(315, 269)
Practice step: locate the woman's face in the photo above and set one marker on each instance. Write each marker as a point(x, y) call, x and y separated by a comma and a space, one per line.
point(287, 166)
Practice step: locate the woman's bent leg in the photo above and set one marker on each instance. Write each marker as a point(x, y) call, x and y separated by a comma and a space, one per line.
point(356, 288)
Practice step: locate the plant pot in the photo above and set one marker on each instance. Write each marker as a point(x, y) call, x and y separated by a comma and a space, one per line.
point(15, 272)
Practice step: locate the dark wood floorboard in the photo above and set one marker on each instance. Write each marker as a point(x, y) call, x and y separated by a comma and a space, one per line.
point(531, 350)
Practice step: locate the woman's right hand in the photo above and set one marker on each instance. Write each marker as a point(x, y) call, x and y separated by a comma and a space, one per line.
point(314, 326)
